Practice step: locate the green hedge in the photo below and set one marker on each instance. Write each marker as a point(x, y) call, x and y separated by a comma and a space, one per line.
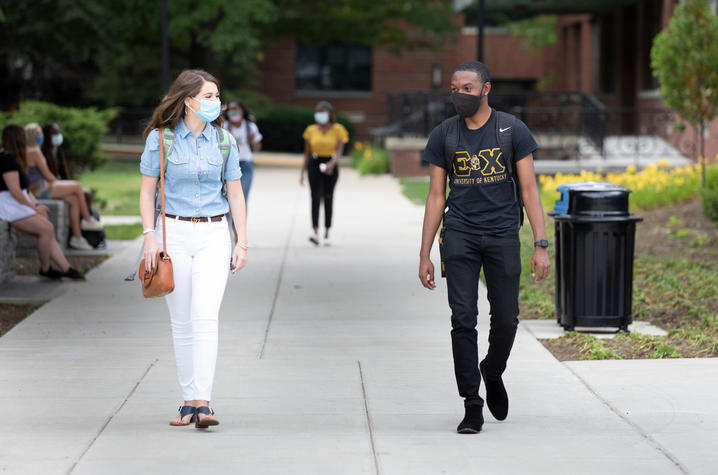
point(282, 127)
point(82, 129)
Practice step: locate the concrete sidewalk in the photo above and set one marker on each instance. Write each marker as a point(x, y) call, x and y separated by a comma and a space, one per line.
point(332, 360)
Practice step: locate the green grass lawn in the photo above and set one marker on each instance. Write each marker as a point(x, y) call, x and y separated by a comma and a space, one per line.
point(123, 232)
point(416, 189)
point(116, 186)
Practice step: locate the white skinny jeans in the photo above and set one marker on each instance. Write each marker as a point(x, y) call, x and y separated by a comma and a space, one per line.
point(200, 254)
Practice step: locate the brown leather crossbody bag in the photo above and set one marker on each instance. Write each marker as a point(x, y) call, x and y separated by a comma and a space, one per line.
point(160, 280)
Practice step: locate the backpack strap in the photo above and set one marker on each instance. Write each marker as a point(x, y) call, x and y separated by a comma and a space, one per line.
point(168, 142)
point(450, 131)
point(505, 124)
point(224, 147)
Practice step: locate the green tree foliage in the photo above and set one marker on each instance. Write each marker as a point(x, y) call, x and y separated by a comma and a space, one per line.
point(109, 52)
point(222, 37)
point(46, 46)
point(684, 58)
point(366, 22)
point(539, 31)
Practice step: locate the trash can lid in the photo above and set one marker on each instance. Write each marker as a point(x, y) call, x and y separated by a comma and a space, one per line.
point(590, 198)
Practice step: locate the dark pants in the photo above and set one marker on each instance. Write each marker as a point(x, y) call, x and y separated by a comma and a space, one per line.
point(463, 256)
point(322, 187)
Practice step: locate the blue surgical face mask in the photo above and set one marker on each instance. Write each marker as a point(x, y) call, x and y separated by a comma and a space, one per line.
point(208, 110)
point(56, 140)
point(321, 117)
point(39, 139)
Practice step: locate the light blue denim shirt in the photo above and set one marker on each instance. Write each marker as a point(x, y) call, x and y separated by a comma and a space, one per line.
point(193, 186)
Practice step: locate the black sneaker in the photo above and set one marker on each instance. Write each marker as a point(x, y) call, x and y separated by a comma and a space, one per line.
point(496, 397)
point(51, 273)
point(473, 420)
point(74, 274)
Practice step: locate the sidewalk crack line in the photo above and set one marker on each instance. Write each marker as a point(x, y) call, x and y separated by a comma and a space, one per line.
point(280, 278)
point(369, 423)
point(654, 443)
point(109, 419)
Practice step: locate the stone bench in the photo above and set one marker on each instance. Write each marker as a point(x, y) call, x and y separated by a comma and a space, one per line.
point(60, 218)
point(7, 250)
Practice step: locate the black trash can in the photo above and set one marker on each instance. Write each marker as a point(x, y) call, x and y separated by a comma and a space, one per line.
point(595, 237)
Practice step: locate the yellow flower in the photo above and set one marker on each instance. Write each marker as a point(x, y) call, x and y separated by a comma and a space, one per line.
point(357, 145)
point(631, 169)
point(367, 153)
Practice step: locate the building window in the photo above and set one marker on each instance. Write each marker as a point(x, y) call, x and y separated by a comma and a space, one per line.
point(333, 68)
point(653, 25)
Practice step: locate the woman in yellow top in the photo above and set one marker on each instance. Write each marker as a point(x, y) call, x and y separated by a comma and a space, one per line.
point(324, 143)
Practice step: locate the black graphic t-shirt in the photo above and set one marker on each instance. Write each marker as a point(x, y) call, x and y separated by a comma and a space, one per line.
point(481, 200)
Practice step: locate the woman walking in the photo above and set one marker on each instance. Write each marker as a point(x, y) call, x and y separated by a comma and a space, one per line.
point(240, 123)
point(198, 239)
point(323, 147)
point(21, 209)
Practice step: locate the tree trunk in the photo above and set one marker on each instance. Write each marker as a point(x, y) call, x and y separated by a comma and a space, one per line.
point(703, 155)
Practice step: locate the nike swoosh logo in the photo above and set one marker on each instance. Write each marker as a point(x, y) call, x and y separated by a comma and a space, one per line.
point(504, 130)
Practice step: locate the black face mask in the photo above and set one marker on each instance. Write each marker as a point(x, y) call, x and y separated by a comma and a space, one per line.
point(466, 105)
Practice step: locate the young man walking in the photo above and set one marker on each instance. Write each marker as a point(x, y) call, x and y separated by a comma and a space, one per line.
point(487, 157)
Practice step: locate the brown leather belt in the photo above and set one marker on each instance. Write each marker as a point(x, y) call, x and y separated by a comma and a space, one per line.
point(201, 219)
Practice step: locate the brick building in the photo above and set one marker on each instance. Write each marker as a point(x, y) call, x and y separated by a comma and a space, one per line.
point(607, 54)
point(291, 73)
point(602, 49)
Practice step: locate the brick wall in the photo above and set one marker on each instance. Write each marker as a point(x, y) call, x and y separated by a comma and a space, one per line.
point(410, 71)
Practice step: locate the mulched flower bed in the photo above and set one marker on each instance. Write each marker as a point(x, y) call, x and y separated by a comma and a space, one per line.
point(675, 288)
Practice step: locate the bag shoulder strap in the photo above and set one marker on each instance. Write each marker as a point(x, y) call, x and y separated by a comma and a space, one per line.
point(450, 132)
point(163, 157)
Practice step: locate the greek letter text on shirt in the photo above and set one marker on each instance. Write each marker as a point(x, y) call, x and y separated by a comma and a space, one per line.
point(484, 167)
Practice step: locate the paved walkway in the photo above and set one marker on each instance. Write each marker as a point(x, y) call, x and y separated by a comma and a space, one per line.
point(332, 360)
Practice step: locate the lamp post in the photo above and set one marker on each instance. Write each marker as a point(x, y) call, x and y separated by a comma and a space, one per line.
point(480, 23)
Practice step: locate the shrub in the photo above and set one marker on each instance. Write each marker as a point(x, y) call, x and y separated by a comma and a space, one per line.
point(282, 127)
point(370, 160)
point(710, 195)
point(82, 129)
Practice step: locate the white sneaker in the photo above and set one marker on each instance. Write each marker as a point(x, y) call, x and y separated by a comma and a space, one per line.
point(91, 224)
point(314, 238)
point(327, 242)
point(80, 243)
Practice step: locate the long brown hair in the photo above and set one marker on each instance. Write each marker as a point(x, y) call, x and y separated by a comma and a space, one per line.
point(168, 113)
point(13, 141)
point(53, 161)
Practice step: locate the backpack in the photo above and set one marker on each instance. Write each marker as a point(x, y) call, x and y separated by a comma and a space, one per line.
point(504, 129)
point(96, 239)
